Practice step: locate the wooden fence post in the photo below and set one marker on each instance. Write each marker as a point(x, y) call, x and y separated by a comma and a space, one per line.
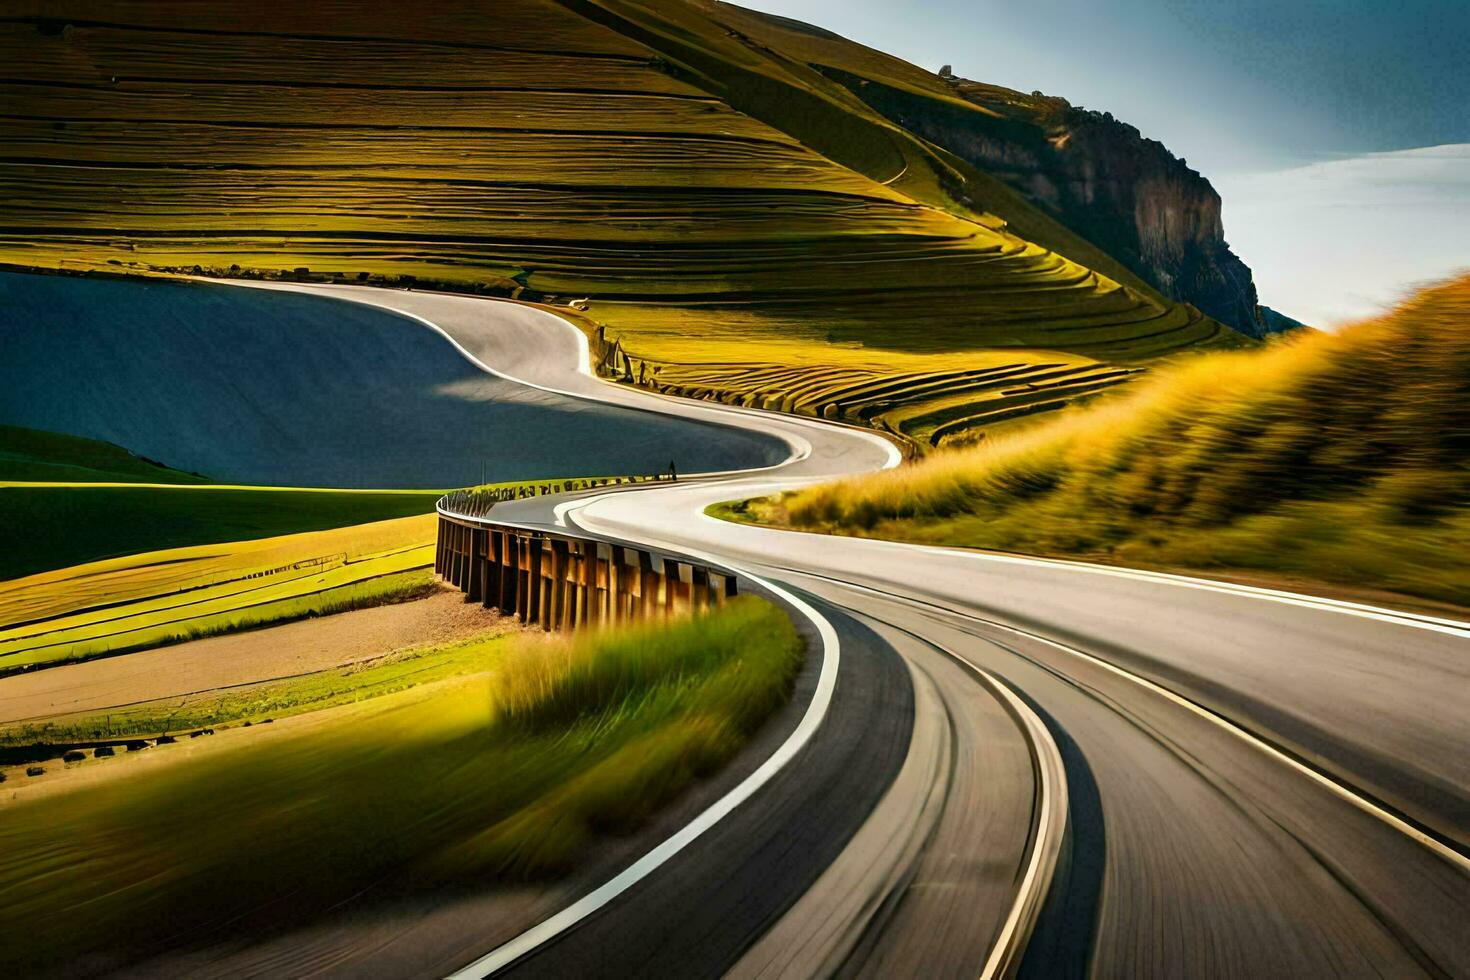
point(557, 600)
point(570, 583)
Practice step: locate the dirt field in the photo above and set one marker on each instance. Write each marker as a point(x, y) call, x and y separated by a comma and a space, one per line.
point(244, 658)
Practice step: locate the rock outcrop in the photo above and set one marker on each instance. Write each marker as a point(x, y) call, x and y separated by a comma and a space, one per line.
point(1101, 177)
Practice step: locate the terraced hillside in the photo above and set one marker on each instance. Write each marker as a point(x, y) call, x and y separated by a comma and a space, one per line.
point(925, 407)
point(715, 198)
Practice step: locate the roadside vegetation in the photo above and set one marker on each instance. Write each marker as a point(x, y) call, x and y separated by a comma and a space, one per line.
point(263, 702)
point(1340, 458)
point(505, 775)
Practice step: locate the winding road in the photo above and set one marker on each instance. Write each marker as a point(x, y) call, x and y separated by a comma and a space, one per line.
point(1018, 766)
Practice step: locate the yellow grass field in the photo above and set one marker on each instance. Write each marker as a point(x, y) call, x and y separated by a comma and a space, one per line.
point(121, 604)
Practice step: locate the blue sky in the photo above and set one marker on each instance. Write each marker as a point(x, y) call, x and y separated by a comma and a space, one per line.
point(1267, 99)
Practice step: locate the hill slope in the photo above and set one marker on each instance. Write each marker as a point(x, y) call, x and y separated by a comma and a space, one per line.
point(1342, 458)
point(32, 455)
point(717, 198)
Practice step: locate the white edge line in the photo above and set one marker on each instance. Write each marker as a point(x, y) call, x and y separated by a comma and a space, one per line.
point(678, 841)
point(1436, 624)
point(1338, 789)
point(1041, 863)
point(1332, 785)
point(1394, 617)
point(816, 712)
point(548, 929)
point(1036, 881)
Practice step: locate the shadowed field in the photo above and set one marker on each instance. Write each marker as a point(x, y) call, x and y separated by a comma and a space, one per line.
point(73, 524)
point(81, 500)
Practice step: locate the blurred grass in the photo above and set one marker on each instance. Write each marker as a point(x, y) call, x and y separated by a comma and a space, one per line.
point(1342, 458)
point(502, 776)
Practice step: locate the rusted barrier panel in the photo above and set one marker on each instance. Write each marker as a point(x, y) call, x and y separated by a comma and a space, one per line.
point(562, 582)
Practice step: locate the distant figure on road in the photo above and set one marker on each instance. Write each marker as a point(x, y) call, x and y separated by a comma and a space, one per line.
point(673, 473)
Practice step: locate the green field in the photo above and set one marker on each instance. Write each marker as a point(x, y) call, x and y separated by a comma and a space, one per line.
point(254, 567)
point(82, 500)
point(71, 524)
point(507, 774)
point(33, 456)
point(1330, 458)
point(719, 201)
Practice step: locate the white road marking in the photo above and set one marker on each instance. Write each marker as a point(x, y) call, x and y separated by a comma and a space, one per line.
point(1435, 624)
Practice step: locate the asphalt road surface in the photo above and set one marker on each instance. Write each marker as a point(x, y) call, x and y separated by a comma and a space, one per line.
point(292, 389)
point(1064, 769)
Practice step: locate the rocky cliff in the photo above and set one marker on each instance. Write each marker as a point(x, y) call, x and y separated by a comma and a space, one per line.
point(1101, 177)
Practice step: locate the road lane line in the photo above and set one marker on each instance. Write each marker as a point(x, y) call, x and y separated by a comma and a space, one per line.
point(1050, 826)
point(1050, 809)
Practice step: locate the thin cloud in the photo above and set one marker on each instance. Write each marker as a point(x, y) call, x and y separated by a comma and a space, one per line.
point(1339, 240)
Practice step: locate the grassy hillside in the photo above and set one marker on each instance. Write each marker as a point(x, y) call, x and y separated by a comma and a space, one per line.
point(67, 524)
point(510, 773)
point(720, 202)
point(34, 456)
point(1341, 458)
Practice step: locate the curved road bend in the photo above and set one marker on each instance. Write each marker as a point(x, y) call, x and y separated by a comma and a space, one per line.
point(1257, 783)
